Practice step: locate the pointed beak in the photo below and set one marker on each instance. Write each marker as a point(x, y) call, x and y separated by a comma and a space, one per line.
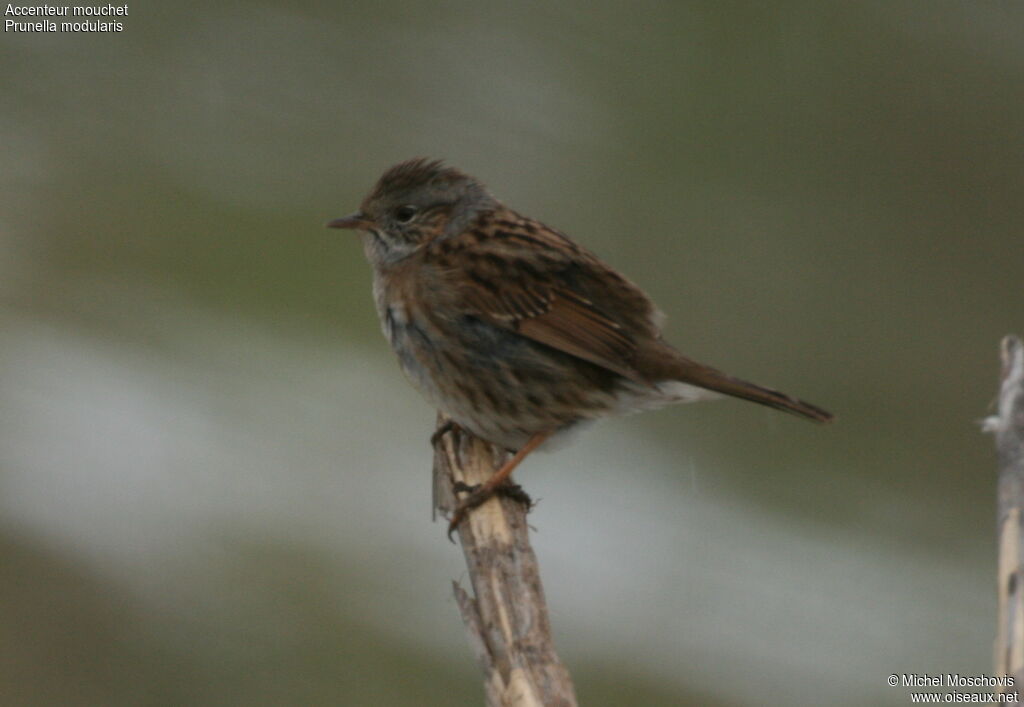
point(357, 220)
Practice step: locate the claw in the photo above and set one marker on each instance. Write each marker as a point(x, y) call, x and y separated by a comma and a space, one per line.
point(478, 493)
point(445, 428)
point(454, 524)
point(463, 506)
point(463, 487)
point(516, 493)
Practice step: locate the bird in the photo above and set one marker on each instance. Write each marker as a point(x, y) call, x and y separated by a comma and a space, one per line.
point(511, 328)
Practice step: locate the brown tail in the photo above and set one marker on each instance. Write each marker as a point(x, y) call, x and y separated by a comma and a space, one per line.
point(718, 381)
point(683, 369)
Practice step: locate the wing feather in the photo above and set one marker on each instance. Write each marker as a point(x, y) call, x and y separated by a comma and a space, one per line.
point(534, 281)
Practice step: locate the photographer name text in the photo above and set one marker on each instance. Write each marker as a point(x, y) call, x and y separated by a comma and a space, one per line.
point(951, 680)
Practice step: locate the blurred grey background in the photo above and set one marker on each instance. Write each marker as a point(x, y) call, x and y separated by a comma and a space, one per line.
point(214, 482)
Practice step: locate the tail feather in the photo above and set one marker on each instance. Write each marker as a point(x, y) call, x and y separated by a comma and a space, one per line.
point(683, 369)
point(717, 381)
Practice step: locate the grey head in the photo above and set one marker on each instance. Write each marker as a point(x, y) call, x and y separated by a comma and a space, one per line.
point(413, 203)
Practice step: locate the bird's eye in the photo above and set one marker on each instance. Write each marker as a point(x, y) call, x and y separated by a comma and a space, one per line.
point(404, 214)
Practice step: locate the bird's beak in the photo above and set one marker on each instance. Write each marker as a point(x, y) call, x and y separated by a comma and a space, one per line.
point(357, 220)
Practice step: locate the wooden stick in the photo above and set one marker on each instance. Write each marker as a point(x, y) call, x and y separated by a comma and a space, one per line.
point(1008, 427)
point(507, 616)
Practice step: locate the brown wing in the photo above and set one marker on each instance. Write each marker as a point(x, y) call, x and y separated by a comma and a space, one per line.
point(519, 274)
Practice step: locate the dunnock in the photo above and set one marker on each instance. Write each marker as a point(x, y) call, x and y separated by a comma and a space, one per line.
point(512, 329)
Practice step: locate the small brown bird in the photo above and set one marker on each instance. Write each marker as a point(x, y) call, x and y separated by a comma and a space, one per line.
point(512, 329)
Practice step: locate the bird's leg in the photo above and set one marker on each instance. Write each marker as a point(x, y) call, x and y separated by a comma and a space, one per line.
point(487, 489)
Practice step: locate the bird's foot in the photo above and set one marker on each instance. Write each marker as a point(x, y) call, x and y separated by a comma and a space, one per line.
point(445, 428)
point(478, 493)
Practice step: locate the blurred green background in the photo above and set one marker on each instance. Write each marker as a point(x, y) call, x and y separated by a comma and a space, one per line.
point(214, 481)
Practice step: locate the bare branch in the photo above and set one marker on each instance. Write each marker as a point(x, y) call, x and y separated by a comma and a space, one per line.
point(1008, 427)
point(507, 616)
